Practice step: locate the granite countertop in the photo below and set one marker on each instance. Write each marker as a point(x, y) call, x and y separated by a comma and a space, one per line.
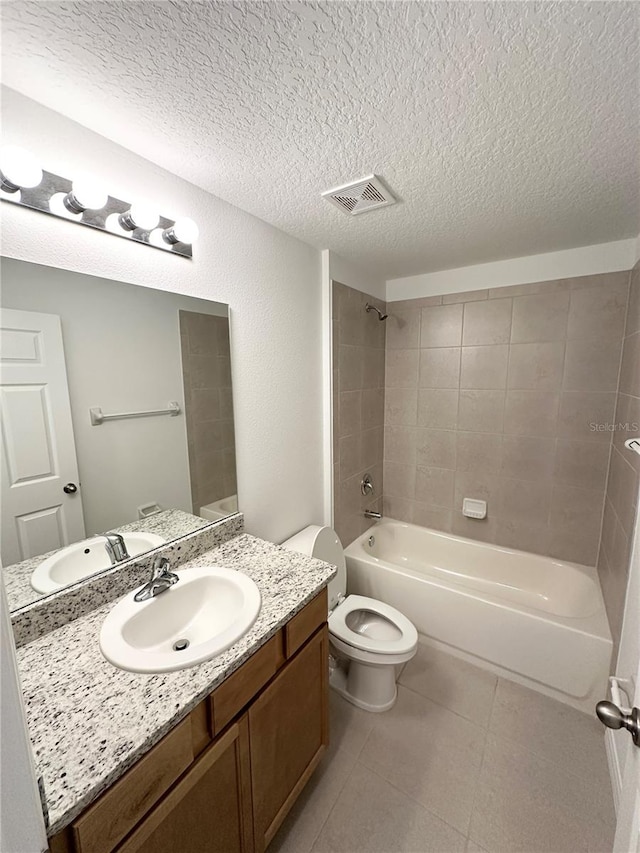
point(170, 524)
point(89, 721)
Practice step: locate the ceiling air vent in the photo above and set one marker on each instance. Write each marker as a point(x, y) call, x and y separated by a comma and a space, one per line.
point(358, 196)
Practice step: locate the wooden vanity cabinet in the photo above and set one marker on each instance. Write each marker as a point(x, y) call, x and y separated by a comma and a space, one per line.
point(288, 733)
point(223, 780)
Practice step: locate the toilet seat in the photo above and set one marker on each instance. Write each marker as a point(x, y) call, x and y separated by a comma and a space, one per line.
point(339, 628)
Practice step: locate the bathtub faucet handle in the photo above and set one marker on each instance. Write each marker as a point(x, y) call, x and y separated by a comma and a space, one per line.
point(366, 485)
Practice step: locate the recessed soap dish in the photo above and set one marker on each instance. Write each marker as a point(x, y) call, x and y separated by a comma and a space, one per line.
point(473, 508)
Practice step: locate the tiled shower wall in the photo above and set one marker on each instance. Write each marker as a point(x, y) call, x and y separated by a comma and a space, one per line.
point(505, 395)
point(206, 371)
point(624, 471)
point(358, 408)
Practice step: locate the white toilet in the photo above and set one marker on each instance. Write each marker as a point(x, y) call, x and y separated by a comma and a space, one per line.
point(369, 637)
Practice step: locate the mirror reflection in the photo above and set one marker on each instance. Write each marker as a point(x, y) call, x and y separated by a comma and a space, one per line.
point(117, 423)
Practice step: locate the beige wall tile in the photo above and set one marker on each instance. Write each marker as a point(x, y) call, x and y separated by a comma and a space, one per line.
point(581, 412)
point(484, 530)
point(403, 327)
point(400, 480)
point(536, 367)
point(437, 408)
point(401, 406)
point(350, 455)
point(630, 369)
point(553, 286)
point(372, 407)
point(435, 448)
point(592, 365)
point(402, 368)
point(465, 296)
point(435, 517)
point(532, 413)
point(434, 486)
point(439, 368)
point(633, 308)
point(527, 458)
point(400, 445)
point(611, 279)
point(622, 490)
point(481, 411)
point(541, 317)
point(598, 312)
point(441, 326)
point(205, 405)
point(476, 451)
point(484, 367)
point(573, 544)
point(350, 405)
point(400, 509)
point(523, 536)
point(372, 446)
point(373, 372)
point(350, 359)
point(487, 322)
point(525, 501)
point(581, 463)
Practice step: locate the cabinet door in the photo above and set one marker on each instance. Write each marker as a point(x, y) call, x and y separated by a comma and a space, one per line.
point(288, 732)
point(209, 810)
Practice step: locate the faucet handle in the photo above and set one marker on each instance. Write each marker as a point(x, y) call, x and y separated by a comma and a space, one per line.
point(160, 566)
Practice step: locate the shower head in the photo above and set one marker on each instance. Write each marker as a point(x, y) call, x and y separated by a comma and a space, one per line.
point(370, 307)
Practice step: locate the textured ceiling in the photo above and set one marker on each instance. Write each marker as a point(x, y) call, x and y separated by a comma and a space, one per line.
point(506, 129)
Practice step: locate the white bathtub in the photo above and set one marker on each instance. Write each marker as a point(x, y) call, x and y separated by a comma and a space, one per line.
point(533, 619)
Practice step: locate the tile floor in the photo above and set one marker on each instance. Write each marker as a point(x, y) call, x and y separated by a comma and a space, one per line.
point(466, 762)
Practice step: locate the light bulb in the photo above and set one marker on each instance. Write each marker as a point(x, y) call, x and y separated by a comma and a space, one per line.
point(141, 216)
point(156, 239)
point(184, 230)
point(18, 169)
point(86, 194)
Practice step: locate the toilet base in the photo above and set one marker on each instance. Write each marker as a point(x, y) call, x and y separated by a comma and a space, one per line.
point(372, 688)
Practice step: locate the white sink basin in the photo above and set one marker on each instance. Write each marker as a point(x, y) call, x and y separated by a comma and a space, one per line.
point(85, 558)
point(207, 610)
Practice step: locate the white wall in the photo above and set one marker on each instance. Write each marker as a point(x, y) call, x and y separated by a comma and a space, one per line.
point(270, 281)
point(354, 276)
point(588, 260)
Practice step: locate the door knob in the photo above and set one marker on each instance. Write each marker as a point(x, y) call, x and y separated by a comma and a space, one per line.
point(613, 718)
point(70, 489)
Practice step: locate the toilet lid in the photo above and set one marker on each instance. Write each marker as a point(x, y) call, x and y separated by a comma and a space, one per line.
point(346, 614)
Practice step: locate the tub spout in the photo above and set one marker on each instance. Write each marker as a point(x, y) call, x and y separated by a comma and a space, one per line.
point(371, 513)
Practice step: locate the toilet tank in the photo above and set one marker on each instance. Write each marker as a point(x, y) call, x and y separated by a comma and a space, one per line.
point(323, 544)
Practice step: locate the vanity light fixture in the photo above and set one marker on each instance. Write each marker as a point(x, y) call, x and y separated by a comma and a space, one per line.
point(87, 202)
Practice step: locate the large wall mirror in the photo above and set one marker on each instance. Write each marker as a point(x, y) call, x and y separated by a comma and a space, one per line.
point(117, 416)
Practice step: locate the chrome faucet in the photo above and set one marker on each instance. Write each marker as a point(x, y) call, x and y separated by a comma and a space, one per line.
point(115, 548)
point(371, 513)
point(161, 580)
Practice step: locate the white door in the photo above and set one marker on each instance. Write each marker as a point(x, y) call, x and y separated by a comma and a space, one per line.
point(624, 757)
point(38, 449)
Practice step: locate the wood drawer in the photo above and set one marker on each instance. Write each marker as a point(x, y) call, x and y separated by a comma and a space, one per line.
point(105, 823)
point(239, 689)
point(298, 630)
